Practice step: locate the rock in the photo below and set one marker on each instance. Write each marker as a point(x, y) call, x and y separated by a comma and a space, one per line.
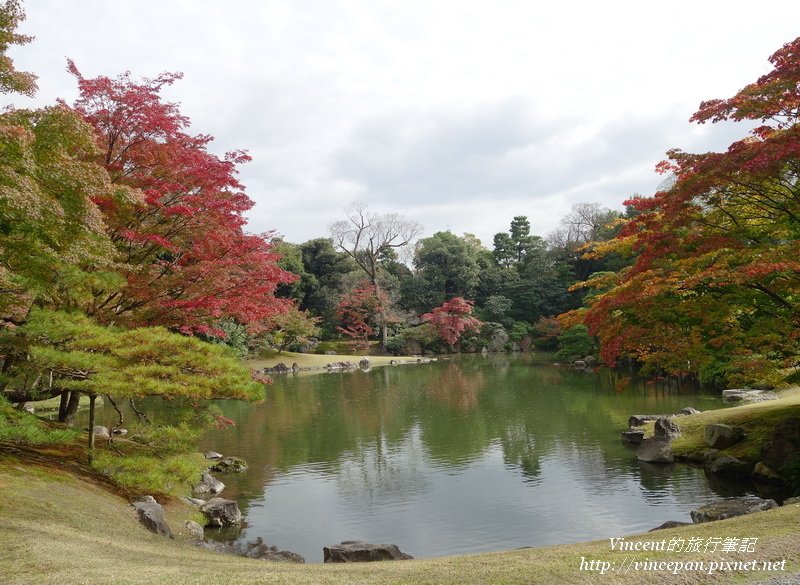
point(638, 420)
point(721, 436)
point(579, 364)
point(26, 407)
point(731, 467)
point(330, 352)
point(364, 364)
point(655, 450)
point(120, 432)
point(783, 446)
point(259, 550)
point(670, 524)
point(791, 501)
point(254, 550)
point(356, 551)
point(634, 436)
point(666, 428)
point(279, 368)
point(341, 366)
point(194, 501)
point(709, 455)
point(195, 530)
point(766, 474)
point(212, 455)
point(101, 432)
point(688, 410)
point(392, 362)
point(151, 516)
point(747, 395)
point(221, 512)
point(295, 367)
point(731, 507)
point(590, 361)
point(230, 465)
point(208, 485)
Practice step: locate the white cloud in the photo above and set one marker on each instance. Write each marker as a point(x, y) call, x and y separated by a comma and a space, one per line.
point(457, 113)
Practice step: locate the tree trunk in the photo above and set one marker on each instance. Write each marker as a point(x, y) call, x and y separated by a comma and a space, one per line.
point(92, 398)
point(62, 406)
point(72, 407)
point(381, 313)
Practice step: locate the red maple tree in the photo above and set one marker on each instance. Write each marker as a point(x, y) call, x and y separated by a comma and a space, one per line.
point(452, 318)
point(177, 217)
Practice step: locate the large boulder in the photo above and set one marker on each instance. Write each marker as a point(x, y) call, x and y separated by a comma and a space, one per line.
point(655, 450)
point(666, 428)
point(221, 512)
point(364, 363)
point(721, 436)
point(356, 551)
point(783, 446)
point(151, 516)
point(208, 485)
point(730, 467)
point(230, 465)
point(730, 507)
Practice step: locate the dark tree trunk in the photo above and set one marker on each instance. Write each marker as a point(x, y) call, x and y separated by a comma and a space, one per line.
point(92, 398)
point(72, 407)
point(62, 406)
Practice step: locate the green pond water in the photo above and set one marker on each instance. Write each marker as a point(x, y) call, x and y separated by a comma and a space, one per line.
point(458, 456)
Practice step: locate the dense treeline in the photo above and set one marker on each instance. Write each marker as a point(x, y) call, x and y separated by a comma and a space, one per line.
point(518, 285)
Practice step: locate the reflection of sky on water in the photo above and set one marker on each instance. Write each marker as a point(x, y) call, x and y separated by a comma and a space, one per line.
point(469, 455)
point(403, 496)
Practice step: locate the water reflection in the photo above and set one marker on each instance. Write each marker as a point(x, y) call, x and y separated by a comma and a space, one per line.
point(462, 455)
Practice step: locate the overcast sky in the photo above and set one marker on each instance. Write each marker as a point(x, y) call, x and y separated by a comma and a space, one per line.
point(458, 114)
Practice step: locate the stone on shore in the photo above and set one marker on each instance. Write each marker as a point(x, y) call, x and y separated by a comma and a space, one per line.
point(666, 428)
point(655, 450)
point(151, 516)
point(208, 485)
point(731, 467)
point(356, 551)
point(633, 436)
point(730, 507)
point(747, 395)
point(670, 524)
point(195, 530)
point(720, 436)
point(230, 465)
point(221, 512)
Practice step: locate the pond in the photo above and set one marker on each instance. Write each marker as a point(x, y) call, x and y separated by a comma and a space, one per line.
point(462, 455)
